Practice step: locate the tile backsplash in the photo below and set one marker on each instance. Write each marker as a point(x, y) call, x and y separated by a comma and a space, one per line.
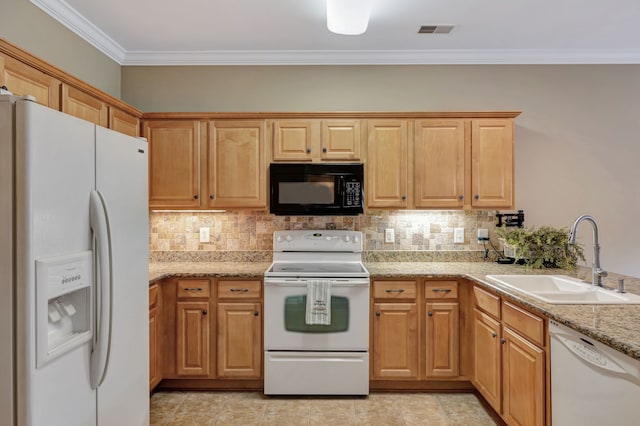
point(253, 230)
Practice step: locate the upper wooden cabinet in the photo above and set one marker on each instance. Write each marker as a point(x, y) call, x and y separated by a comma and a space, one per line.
point(492, 163)
point(227, 171)
point(123, 122)
point(439, 169)
point(236, 167)
point(174, 163)
point(455, 163)
point(21, 79)
point(316, 140)
point(387, 150)
point(82, 105)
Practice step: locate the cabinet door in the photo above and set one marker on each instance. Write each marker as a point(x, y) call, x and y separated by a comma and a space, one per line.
point(82, 105)
point(486, 355)
point(443, 336)
point(236, 172)
point(523, 388)
point(395, 340)
point(387, 163)
point(492, 163)
point(192, 339)
point(340, 140)
point(239, 340)
point(293, 140)
point(21, 79)
point(155, 332)
point(123, 122)
point(174, 163)
point(439, 164)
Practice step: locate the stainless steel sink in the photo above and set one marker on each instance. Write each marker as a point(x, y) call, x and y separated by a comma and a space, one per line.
point(561, 289)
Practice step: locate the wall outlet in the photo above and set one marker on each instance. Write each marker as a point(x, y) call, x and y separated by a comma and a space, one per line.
point(483, 234)
point(204, 235)
point(458, 235)
point(389, 235)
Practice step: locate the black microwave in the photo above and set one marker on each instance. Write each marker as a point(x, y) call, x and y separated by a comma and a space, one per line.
point(316, 189)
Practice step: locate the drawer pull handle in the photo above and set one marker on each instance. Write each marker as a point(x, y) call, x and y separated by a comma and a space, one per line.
point(238, 290)
point(193, 289)
point(397, 290)
point(441, 290)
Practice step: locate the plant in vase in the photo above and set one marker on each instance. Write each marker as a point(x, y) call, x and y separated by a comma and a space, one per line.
point(545, 247)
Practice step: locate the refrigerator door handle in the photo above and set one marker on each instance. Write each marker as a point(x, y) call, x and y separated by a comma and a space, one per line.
point(99, 220)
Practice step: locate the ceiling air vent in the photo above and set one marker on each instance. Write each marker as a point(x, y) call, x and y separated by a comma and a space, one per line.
point(435, 29)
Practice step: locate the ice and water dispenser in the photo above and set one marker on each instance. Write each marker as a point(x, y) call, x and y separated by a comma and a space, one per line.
point(63, 304)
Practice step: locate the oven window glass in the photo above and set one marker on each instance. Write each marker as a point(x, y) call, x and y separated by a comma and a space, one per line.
point(319, 191)
point(295, 308)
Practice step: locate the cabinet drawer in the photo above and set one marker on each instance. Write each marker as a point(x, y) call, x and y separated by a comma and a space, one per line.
point(153, 296)
point(239, 289)
point(489, 303)
point(194, 289)
point(527, 324)
point(394, 289)
point(441, 289)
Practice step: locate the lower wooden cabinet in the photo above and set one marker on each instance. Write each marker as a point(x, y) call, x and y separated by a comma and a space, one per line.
point(239, 340)
point(510, 360)
point(155, 336)
point(192, 338)
point(442, 343)
point(395, 340)
point(487, 361)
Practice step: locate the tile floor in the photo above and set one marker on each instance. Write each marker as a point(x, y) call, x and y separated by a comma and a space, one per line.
point(253, 408)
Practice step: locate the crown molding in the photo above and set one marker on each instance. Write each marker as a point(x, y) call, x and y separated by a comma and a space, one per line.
point(62, 12)
point(74, 21)
point(382, 57)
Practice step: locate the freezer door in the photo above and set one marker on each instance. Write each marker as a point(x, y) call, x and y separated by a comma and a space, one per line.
point(121, 180)
point(54, 175)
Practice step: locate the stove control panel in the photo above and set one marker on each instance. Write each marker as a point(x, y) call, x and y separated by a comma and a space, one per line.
point(318, 240)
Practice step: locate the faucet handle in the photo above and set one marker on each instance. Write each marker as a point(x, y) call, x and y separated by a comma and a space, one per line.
point(601, 272)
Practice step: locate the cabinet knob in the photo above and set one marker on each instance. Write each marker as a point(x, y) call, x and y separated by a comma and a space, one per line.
point(256, 313)
point(211, 196)
point(494, 334)
point(195, 197)
point(477, 197)
point(503, 340)
point(324, 149)
point(404, 197)
point(204, 312)
point(377, 313)
point(308, 150)
point(430, 313)
point(461, 197)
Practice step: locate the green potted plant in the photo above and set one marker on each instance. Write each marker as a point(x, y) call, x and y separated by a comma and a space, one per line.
point(545, 247)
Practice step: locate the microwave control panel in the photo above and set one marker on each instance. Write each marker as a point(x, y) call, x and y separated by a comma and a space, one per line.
point(352, 192)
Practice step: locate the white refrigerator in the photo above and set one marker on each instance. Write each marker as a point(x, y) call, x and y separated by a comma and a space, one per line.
point(73, 271)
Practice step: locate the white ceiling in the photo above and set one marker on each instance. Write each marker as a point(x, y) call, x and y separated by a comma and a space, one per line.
point(162, 32)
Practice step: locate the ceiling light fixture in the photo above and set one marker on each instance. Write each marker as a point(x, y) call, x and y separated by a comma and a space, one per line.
point(348, 17)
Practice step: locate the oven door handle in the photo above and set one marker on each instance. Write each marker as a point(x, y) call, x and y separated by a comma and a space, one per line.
point(298, 283)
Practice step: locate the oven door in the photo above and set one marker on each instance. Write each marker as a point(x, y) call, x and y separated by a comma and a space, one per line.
point(284, 316)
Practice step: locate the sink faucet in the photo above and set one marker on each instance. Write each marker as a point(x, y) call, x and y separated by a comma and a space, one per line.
point(597, 272)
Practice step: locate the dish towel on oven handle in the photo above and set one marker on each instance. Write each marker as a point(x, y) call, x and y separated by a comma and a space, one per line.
point(318, 302)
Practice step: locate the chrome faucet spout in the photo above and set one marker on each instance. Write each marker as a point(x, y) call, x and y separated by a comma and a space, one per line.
point(597, 272)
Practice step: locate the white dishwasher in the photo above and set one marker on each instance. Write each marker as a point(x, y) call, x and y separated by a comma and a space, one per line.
point(591, 383)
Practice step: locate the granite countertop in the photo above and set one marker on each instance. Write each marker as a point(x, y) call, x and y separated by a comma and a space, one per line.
point(613, 325)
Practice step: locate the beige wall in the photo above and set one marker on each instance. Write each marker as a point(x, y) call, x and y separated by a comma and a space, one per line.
point(577, 148)
point(28, 27)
